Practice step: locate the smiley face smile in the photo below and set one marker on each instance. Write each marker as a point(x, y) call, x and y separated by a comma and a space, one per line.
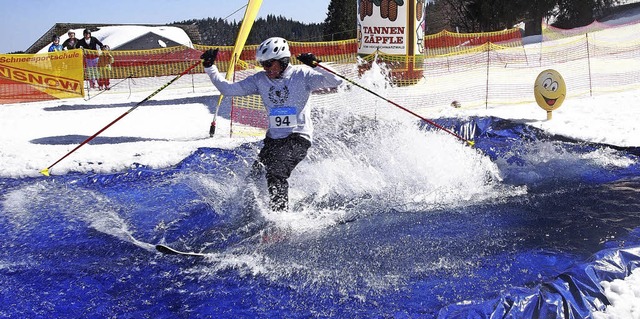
point(549, 101)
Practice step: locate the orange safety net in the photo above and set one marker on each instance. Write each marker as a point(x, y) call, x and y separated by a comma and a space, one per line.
point(473, 73)
point(446, 42)
point(150, 63)
point(550, 32)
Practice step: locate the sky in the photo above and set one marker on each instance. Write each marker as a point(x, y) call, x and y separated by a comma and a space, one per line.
point(33, 18)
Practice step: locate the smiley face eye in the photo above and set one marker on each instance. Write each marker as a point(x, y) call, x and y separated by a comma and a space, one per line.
point(547, 83)
point(554, 86)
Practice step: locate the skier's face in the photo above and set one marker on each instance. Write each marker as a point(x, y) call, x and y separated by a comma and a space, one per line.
point(273, 68)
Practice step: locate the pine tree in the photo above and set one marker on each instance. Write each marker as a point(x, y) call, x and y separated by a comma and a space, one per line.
point(577, 13)
point(340, 23)
point(438, 17)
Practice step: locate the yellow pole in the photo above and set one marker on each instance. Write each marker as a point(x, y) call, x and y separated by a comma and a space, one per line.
point(247, 22)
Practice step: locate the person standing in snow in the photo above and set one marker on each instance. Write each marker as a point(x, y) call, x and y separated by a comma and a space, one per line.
point(71, 42)
point(285, 90)
point(104, 65)
point(55, 46)
point(91, 58)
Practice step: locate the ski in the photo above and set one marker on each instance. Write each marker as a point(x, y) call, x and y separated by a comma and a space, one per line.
point(170, 251)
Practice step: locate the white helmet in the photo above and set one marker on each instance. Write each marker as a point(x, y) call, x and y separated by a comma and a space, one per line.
point(273, 48)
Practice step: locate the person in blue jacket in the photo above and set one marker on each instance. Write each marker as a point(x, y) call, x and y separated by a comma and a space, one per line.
point(55, 46)
point(285, 90)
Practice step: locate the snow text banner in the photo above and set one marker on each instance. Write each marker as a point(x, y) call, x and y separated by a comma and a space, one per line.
point(38, 77)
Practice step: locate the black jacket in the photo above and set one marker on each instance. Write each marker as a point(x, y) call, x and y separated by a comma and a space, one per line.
point(70, 45)
point(93, 44)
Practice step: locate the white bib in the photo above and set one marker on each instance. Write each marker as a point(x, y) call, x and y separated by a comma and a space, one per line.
point(283, 117)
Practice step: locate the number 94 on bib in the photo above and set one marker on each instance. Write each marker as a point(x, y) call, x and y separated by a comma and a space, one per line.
point(283, 117)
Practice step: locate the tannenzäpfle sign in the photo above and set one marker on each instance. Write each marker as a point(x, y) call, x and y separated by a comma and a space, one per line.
point(391, 26)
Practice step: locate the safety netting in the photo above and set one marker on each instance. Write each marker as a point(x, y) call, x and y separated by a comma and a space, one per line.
point(550, 32)
point(140, 69)
point(475, 70)
point(484, 74)
point(150, 63)
point(447, 42)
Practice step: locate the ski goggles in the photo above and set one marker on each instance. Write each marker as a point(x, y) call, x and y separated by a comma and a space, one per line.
point(268, 63)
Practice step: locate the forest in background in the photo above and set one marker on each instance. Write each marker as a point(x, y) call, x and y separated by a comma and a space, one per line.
point(218, 31)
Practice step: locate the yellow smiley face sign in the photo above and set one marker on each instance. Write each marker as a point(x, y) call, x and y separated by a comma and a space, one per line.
point(550, 90)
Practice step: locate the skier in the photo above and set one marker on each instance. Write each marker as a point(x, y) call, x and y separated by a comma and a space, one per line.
point(285, 90)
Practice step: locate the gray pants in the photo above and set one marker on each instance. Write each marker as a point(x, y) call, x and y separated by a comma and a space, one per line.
point(280, 157)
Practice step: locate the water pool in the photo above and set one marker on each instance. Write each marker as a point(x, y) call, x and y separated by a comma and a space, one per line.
point(380, 232)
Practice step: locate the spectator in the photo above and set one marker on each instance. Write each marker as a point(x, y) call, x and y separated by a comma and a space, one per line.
point(71, 42)
point(104, 66)
point(55, 46)
point(91, 58)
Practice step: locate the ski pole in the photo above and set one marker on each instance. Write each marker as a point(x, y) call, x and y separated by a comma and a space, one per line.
point(470, 143)
point(45, 171)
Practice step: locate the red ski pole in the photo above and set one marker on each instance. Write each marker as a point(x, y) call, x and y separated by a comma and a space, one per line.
point(470, 143)
point(45, 171)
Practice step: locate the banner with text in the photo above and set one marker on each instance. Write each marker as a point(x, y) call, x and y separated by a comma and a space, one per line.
point(393, 27)
point(39, 77)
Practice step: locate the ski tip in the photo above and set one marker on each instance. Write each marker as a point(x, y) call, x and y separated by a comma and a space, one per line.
point(165, 250)
point(170, 251)
point(45, 172)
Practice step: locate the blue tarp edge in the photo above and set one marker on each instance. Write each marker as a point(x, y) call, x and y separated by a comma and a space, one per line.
point(575, 294)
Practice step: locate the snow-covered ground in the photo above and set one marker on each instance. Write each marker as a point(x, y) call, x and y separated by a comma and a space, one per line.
point(624, 296)
point(35, 135)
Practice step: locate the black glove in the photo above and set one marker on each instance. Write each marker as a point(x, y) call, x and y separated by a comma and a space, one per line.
point(208, 57)
point(308, 59)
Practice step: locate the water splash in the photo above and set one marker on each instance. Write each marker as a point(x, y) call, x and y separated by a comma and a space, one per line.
point(56, 209)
